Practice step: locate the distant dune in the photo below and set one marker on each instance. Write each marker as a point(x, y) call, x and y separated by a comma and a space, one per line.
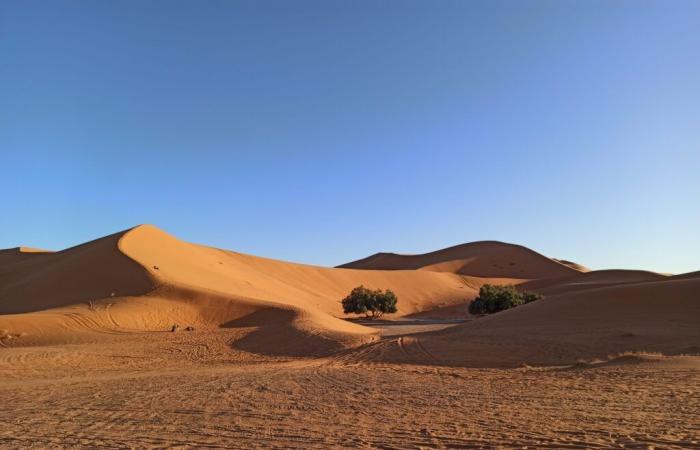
point(590, 280)
point(479, 259)
point(684, 276)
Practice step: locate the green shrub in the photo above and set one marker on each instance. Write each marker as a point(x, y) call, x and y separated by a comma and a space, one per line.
point(530, 296)
point(371, 303)
point(492, 299)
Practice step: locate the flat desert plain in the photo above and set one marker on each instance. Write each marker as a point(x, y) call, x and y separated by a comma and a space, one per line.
point(265, 358)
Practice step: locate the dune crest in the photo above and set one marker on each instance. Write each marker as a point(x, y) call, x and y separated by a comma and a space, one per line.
point(573, 265)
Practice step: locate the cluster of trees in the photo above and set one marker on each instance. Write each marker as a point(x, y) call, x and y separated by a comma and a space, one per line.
point(371, 303)
point(492, 299)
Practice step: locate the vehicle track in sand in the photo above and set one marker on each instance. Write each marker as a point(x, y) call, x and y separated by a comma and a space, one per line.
point(142, 392)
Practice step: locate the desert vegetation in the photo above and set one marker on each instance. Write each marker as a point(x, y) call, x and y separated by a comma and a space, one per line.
point(372, 303)
point(493, 299)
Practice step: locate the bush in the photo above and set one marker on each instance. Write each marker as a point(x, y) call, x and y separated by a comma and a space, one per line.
point(492, 299)
point(530, 296)
point(371, 303)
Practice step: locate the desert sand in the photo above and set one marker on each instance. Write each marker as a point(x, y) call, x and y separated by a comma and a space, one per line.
point(608, 358)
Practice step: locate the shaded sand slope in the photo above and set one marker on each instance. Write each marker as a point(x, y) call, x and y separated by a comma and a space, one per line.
point(661, 316)
point(684, 276)
point(17, 254)
point(97, 269)
point(591, 280)
point(479, 259)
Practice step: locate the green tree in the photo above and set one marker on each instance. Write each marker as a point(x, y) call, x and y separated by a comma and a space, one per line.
point(371, 303)
point(493, 299)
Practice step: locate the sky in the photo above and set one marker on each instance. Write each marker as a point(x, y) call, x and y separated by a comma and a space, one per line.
point(325, 131)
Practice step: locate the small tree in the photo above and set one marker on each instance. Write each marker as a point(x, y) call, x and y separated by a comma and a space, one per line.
point(492, 299)
point(371, 303)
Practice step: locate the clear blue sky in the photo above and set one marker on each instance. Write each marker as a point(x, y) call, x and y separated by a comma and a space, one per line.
point(325, 131)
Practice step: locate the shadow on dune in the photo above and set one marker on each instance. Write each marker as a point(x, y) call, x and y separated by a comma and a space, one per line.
point(660, 317)
point(278, 332)
point(87, 272)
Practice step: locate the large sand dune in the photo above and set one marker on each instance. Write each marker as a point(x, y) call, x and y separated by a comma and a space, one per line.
point(144, 279)
point(649, 317)
point(173, 262)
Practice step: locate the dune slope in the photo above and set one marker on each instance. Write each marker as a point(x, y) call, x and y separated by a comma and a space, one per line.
point(591, 280)
point(31, 281)
point(662, 316)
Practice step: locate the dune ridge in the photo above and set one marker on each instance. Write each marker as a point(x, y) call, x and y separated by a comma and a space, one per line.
point(573, 265)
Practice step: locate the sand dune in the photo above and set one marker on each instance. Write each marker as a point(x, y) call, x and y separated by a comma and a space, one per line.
point(479, 259)
point(174, 262)
point(590, 280)
point(135, 270)
point(660, 316)
point(144, 279)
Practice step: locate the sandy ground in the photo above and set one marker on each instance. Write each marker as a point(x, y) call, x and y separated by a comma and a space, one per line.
point(182, 390)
